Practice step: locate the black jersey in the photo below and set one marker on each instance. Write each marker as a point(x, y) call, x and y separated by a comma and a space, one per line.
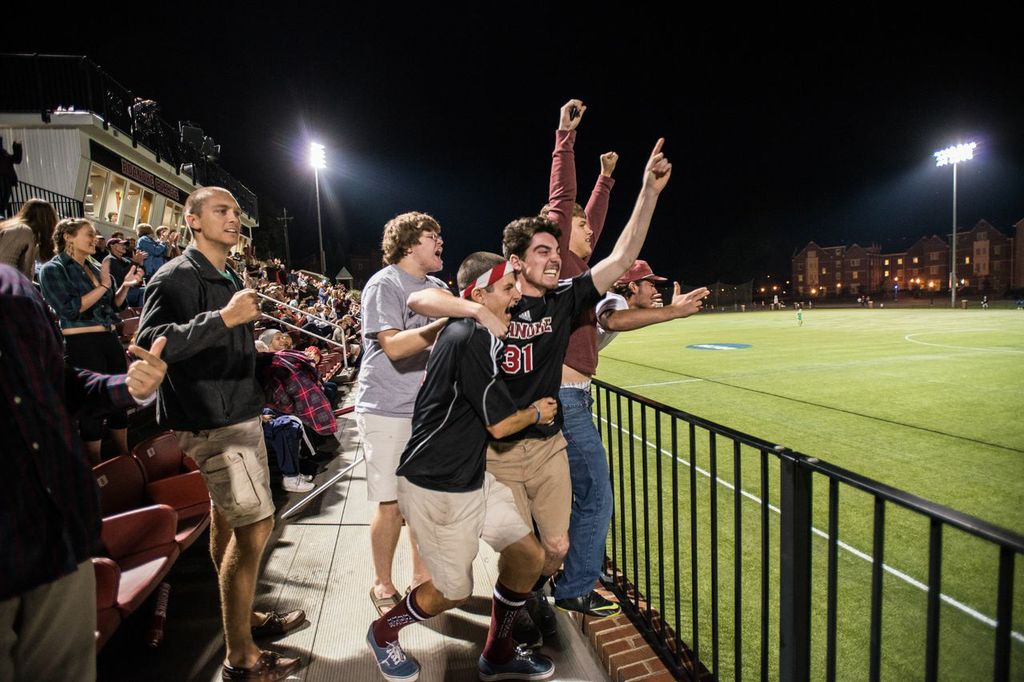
point(538, 337)
point(461, 395)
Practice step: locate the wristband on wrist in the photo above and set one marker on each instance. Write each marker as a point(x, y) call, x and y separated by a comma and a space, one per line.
point(537, 410)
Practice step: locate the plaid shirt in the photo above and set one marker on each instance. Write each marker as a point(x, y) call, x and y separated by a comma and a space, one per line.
point(49, 510)
point(64, 283)
point(292, 386)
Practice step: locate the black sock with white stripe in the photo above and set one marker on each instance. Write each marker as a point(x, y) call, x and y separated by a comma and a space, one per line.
point(505, 606)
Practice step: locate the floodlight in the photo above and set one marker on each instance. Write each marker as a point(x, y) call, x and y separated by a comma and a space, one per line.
point(317, 156)
point(955, 154)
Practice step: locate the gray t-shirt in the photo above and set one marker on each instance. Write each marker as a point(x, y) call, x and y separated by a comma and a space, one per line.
point(389, 388)
point(610, 301)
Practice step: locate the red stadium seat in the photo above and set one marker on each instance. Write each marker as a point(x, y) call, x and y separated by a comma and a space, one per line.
point(122, 485)
point(128, 328)
point(142, 544)
point(108, 616)
point(161, 457)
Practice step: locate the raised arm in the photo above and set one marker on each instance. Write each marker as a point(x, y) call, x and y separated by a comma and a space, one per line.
point(597, 206)
point(682, 305)
point(562, 187)
point(627, 248)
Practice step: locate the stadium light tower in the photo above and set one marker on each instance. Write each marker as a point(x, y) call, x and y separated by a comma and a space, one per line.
point(945, 157)
point(318, 160)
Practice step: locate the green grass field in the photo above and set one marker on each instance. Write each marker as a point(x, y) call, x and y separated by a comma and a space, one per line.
point(928, 401)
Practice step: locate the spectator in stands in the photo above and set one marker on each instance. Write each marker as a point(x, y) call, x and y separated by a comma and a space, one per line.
point(533, 463)
point(396, 347)
point(160, 248)
point(26, 238)
point(8, 176)
point(284, 434)
point(635, 303)
point(86, 298)
point(446, 495)
point(49, 511)
point(276, 340)
point(120, 266)
point(199, 304)
point(101, 247)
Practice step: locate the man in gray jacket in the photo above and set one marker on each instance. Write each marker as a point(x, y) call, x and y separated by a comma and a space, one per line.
point(211, 399)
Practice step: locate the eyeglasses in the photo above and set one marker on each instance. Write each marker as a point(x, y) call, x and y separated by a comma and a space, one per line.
point(433, 236)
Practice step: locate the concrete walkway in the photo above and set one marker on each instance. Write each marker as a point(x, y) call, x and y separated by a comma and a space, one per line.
point(320, 562)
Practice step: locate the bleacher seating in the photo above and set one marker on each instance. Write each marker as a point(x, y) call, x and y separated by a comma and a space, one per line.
point(123, 487)
point(140, 550)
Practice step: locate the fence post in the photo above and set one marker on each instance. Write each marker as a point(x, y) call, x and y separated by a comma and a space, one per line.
point(795, 569)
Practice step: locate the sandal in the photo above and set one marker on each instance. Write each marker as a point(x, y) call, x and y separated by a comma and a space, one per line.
point(269, 666)
point(385, 604)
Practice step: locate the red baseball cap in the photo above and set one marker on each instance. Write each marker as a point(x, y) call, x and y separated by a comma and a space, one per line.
point(640, 270)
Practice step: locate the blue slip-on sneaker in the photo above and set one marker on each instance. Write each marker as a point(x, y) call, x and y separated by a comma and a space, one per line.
point(393, 663)
point(524, 665)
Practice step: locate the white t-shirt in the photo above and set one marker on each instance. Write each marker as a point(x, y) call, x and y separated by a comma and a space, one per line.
point(609, 302)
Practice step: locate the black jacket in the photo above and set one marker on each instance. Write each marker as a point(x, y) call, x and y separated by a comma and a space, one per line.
point(211, 370)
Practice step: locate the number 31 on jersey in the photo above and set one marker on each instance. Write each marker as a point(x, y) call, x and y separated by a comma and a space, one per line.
point(518, 359)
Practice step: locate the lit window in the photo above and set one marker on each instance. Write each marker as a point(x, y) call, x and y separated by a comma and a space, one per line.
point(799, 278)
point(824, 271)
point(967, 260)
point(887, 262)
point(899, 261)
point(886, 272)
point(915, 259)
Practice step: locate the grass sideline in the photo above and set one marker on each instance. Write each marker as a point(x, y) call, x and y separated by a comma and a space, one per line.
point(924, 400)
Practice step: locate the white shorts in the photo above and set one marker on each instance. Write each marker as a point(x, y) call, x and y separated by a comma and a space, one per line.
point(384, 440)
point(448, 528)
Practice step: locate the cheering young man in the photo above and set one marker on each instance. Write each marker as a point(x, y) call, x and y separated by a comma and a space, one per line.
point(448, 499)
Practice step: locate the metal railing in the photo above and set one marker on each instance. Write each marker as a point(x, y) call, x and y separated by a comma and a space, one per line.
point(48, 83)
point(727, 589)
point(66, 207)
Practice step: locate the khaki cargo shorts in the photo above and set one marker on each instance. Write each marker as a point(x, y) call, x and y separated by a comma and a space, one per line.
point(233, 462)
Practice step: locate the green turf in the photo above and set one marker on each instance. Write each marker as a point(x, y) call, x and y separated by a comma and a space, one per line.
point(926, 401)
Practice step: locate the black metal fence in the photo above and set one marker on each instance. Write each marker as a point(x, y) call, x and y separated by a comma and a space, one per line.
point(734, 589)
point(66, 207)
point(49, 83)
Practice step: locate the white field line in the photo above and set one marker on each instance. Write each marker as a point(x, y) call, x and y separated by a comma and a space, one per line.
point(977, 615)
point(664, 383)
point(909, 337)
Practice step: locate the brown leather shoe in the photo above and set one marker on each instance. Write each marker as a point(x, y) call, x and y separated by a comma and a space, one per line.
point(278, 624)
point(268, 668)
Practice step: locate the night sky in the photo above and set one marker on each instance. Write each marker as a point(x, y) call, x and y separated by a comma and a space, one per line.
point(778, 136)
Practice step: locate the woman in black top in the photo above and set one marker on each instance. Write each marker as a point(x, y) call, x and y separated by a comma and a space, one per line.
point(86, 297)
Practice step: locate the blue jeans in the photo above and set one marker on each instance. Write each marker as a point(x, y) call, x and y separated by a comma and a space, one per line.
point(591, 493)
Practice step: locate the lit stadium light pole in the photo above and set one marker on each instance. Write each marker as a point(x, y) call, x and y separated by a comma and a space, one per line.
point(954, 155)
point(318, 160)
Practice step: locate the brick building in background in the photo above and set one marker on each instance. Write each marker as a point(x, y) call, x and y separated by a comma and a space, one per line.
point(988, 262)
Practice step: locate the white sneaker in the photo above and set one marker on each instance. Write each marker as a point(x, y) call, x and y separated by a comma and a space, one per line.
point(306, 477)
point(297, 484)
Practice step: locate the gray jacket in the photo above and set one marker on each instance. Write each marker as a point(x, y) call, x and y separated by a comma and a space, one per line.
point(211, 370)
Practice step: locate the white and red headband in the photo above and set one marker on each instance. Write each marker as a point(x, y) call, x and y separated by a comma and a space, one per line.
point(488, 278)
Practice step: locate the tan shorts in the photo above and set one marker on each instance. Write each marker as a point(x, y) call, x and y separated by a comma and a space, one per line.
point(233, 462)
point(384, 440)
point(448, 528)
point(536, 470)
